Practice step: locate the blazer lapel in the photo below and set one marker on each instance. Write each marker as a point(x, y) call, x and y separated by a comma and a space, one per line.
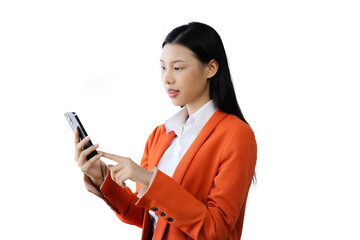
point(162, 144)
point(195, 146)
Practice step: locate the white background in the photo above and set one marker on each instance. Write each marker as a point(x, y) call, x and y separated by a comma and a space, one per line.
point(295, 67)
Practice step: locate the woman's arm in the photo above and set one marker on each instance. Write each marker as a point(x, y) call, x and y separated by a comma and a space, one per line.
point(120, 198)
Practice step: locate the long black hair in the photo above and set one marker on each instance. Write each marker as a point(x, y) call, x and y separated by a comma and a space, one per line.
point(207, 45)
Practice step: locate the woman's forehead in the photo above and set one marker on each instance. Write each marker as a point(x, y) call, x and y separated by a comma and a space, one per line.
point(173, 53)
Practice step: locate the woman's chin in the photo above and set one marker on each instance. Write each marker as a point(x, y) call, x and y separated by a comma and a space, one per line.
point(177, 103)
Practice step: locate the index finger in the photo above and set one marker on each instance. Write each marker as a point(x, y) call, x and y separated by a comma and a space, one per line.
point(113, 157)
point(80, 145)
point(77, 137)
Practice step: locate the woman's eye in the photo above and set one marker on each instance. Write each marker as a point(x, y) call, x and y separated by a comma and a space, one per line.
point(162, 68)
point(177, 68)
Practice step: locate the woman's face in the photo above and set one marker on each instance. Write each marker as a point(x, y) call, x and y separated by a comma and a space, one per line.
point(185, 78)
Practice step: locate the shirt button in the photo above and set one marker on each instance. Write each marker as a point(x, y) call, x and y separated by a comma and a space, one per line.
point(155, 209)
point(170, 220)
point(162, 214)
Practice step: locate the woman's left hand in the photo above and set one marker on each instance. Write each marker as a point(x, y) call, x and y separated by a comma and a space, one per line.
point(127, 169)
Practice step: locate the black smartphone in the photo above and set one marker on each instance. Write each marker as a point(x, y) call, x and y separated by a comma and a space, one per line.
point(74, 123)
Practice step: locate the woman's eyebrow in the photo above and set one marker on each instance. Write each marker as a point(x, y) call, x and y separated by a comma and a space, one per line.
point(175, 61)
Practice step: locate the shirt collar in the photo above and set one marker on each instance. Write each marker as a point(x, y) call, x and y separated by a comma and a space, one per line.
point(201, 116)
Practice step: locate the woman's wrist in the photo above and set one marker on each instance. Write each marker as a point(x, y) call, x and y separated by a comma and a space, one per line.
point(100, 180)
point(146, 178)
point(97, 182)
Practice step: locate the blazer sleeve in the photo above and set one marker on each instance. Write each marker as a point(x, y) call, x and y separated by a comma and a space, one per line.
point(122, 200)
point(216, 217)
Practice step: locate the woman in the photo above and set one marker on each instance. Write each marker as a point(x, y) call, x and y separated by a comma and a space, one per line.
point(197, 167)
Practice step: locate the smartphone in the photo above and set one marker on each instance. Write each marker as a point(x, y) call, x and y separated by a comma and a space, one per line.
point(74, 123)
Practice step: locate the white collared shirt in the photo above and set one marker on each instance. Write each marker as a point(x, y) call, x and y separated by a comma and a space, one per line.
point(186, 129)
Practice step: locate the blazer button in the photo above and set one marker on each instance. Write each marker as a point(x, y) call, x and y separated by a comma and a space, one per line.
point(170, 220)
point(155, 209)
point(162, 214)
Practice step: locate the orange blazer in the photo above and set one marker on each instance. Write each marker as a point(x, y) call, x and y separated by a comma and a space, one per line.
point(206, 197)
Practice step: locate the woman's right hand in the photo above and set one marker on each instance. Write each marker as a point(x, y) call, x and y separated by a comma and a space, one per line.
point(91, 167)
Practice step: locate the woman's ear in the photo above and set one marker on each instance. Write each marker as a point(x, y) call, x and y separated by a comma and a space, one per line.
point(212, 68)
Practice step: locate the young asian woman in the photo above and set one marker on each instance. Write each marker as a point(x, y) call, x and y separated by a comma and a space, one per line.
point(197, 167)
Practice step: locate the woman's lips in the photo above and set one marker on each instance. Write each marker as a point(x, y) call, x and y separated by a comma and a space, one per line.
point(173, 93)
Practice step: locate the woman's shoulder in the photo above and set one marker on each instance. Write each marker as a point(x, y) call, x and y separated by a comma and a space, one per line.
point(158, 131)
point(231, 125)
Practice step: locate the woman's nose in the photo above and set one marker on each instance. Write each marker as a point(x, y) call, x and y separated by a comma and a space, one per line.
point(168, 78)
